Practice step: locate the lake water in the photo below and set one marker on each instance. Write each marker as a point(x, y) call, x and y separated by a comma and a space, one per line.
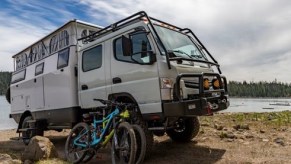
point(5, 121)
point(236, 105)
point(258, 105)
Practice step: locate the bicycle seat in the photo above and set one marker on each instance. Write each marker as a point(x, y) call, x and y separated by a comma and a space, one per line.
point(104, 102)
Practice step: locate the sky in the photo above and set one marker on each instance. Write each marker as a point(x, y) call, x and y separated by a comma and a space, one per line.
point(251, 39)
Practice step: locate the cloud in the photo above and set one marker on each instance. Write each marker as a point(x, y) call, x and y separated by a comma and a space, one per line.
point(250, 39)
point(25, 22)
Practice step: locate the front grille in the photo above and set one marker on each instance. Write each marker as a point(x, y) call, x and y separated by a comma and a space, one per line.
point(191, 84)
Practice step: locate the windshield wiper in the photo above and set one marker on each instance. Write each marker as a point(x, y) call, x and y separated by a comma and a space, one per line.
point(181, 52)
point(190, 56)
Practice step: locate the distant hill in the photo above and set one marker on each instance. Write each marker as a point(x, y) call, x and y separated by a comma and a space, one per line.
point(5, 78)
point(259, 89)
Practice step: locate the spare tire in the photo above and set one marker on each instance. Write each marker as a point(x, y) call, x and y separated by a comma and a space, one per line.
point(8, 96)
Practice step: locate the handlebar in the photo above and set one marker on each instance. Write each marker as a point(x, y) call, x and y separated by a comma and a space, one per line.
point(114, 103)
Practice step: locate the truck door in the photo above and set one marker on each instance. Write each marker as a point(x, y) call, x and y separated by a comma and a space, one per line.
point(91, 76)
point(134, 70)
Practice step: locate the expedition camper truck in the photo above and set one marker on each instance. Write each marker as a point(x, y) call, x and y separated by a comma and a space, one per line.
point(165, 70)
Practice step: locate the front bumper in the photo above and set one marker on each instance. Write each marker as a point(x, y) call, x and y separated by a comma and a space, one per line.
point(197, 107)
point(201, 106)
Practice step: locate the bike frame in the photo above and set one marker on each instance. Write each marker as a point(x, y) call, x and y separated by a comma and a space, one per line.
point(106, 122)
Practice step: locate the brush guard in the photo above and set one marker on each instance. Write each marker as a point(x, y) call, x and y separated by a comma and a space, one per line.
point(206, 103)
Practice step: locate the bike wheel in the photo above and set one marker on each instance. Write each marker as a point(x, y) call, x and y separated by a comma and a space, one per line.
point(80, 134)
point(123, 144)
point(90, 154)
point(140, 143)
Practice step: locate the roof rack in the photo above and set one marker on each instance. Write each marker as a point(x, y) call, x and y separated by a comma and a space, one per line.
point(138, 15)
point(113, 27)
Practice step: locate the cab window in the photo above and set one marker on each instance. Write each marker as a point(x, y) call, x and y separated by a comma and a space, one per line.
point(140, 48)
point(92, 59)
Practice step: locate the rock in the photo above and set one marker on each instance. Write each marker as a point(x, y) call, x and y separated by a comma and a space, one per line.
point(218, 127)
point(245, 126)
point(6, 159)
point(236, 127)
point(280, 141)
point(265, 140)
point(240, 130)
point(249, 136)
point(230, 135)
point(230, 140)
point(242, 127)
point(39, 148)
point(262, 131)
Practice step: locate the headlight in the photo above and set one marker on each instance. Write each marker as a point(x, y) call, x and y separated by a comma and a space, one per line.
point(206, 84)
point(166, 83)
point(215, 84)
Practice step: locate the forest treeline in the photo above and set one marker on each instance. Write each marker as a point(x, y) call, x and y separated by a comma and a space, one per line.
point(259, 89)
point(5, 78)
point(236, 89)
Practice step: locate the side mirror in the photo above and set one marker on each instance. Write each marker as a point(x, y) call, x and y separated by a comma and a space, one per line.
point(126, 46)
point(143, 59)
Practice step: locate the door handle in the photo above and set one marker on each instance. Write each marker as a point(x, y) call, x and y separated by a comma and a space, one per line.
point(116, 80)
point(84, 87)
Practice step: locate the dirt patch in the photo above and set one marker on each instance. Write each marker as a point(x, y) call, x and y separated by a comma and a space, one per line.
point(223, 138)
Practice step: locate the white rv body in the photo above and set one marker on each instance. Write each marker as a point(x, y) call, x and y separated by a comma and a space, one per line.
point(44, 84)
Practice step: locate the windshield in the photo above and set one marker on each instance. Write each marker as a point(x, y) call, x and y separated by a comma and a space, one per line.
point(179, 43)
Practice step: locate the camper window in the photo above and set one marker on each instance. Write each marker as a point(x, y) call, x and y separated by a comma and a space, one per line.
point(92, 59)
point(39, 69)
point(19, 76)
point(63, 59)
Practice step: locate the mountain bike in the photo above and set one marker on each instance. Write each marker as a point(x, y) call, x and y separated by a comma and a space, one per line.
point(87, 137)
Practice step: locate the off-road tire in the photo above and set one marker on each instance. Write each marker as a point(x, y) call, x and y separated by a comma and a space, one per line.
point(140, 143)
point(190, 130)
point(148, 134)
point(27, 135)
point(115, 154)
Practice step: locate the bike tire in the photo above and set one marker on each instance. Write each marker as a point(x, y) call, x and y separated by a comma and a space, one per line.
point(124, 139)
point(72, 155)
point(90, 154)
point(140, 143)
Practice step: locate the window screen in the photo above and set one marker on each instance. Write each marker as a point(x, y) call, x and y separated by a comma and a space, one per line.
point(92, 59)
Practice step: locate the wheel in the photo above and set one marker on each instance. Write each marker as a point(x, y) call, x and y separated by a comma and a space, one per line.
point(185, 129)
point(81, 135)
point(140, 144)
point(124, 144)
point(148, 134)
point(90, 154)
point(27, 135)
